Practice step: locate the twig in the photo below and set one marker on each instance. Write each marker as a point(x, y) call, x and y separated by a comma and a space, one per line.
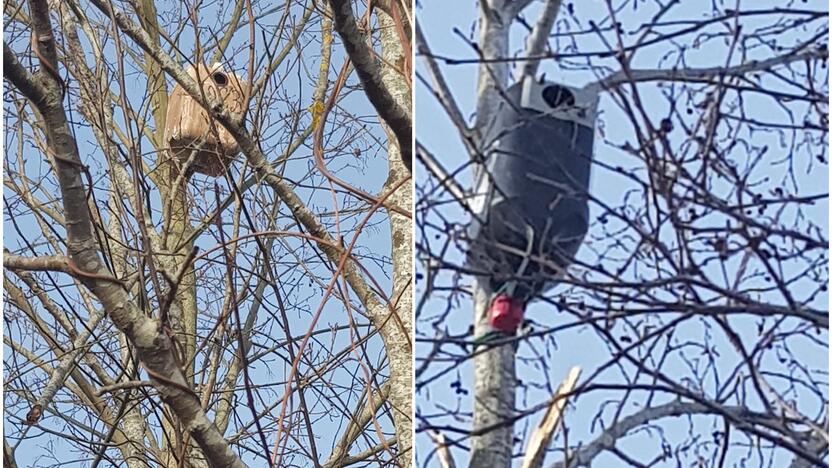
point(229, 276)
point(367, 409)
point(123, 386)
point(706, 74)
point(440, 86)
point(394, 115)
point(440, 174)
point(174, 285)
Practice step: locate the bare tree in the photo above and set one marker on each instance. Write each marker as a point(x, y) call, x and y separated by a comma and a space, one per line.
point(158, 317)
point(697, 304)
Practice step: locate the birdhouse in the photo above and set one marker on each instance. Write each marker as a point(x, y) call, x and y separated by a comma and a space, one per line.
point(531, 206)
point(189, 129)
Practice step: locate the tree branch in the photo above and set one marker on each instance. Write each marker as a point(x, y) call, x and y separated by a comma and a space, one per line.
point(154, 348)
point(440, 88)
point(384, 445)
point(363, 58)
point(41, 263)
point(442, 176)
point(8, 455)
point(446, 459)
point(22, 79)
point(364, 414)
point(707, 75)
point(256, 158)
point(539, 38)
point(608, 439)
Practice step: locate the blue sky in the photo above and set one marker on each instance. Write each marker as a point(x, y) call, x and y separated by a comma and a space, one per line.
point(543, 364)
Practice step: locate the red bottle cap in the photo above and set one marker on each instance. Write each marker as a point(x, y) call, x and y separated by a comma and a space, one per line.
point(506, 313)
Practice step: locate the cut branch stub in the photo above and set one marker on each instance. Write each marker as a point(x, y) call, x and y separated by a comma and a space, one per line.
point(189, 128)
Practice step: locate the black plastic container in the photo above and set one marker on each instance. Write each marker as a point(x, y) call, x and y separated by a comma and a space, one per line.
point(532, 209)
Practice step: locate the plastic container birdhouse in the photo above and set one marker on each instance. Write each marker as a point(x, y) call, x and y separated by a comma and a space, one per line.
point(531, 207)
point(196, 140)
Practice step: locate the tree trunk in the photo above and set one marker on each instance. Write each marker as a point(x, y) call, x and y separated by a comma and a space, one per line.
point(494, 379)
point(398, 342)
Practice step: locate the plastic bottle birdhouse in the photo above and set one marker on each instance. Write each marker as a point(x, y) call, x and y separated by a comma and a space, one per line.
point(531, 196)
point(197, 141)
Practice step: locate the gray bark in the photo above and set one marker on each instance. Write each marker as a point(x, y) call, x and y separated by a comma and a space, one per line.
point(494, 379)
point(397, 340)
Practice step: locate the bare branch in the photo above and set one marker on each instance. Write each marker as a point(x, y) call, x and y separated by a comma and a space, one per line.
point(707, 75)
point(362, 57)
point(538, 39)
point(127, 385)
point(363, 414)
point(440, 87)
point(23, 80)
point(608, 439)
point(548, 426)
point(8, 455)
point(42, 263)
point(154, 348)
point(440, 174)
